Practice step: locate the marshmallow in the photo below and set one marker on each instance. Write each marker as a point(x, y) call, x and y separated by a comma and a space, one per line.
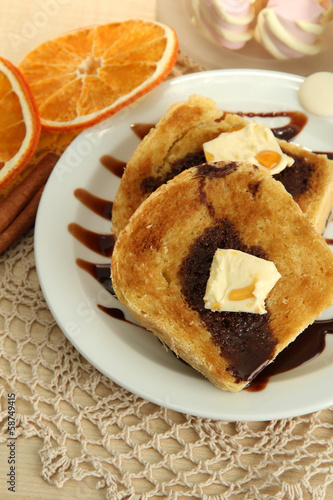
point(289, 29)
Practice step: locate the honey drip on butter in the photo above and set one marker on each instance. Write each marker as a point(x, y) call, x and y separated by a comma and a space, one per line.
point(268, 159)
point(242, 293)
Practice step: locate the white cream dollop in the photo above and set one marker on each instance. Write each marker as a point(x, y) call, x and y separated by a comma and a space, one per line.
point(254, 143)
point(239, 282)
point(316, 93)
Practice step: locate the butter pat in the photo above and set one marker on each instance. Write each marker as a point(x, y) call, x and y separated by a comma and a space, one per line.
point(254, 143)
point(239, 282)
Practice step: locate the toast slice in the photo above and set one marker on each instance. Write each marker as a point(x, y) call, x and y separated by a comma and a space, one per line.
point(161, 264)
point(175, 144)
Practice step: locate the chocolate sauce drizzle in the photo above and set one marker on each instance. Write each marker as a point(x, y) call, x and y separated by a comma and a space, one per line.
point(309, 344)
point(114, 165)
point(101, 273)
point(94, 203)
point(142, 129)
point(297, 121)
point(100, 243)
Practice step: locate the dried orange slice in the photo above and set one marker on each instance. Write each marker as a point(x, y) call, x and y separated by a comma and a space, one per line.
point(83, 77)
point(19, 122)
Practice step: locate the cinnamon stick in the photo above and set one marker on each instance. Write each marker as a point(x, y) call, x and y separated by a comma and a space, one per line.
point(21, 195)
point(22, 222)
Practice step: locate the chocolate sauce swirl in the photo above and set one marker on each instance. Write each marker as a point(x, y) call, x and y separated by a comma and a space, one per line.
point(297, 121)
point(245, 339)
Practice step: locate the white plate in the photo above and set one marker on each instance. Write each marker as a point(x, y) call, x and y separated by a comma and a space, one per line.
point(127, 354)
point(177, 14)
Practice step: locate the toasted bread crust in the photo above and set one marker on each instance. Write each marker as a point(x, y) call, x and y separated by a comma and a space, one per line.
point(147, 263)
point(316, 202)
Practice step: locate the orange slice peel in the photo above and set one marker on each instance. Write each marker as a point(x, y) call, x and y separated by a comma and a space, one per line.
point(87, 75)
point(20, 125)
